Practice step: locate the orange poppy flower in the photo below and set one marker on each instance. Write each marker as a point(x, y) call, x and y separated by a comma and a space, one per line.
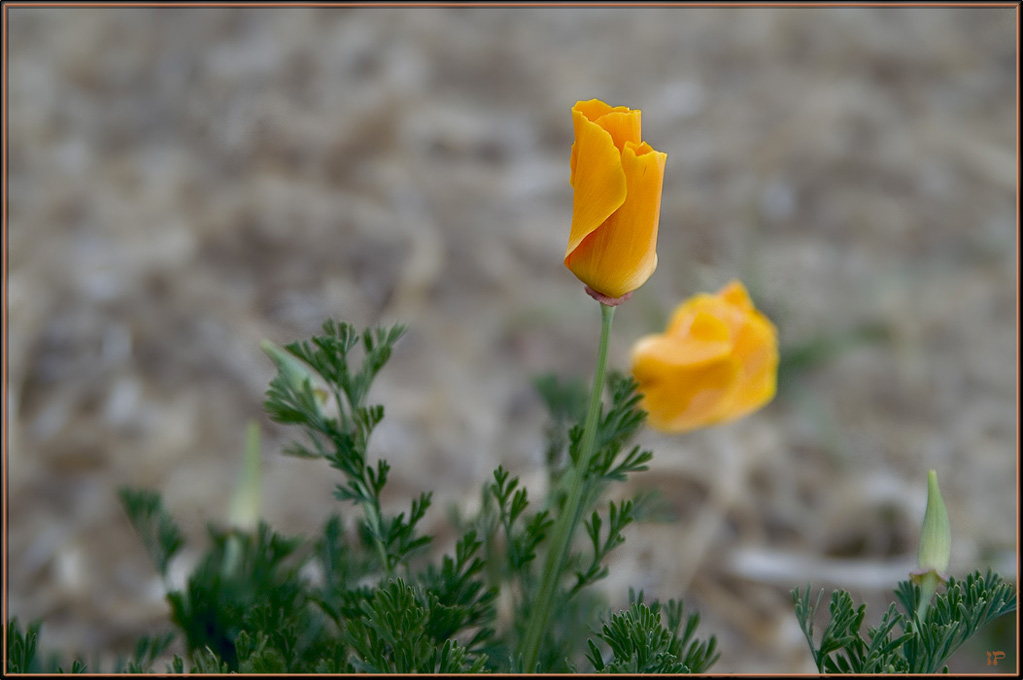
point(616, 206)
point(717, 361)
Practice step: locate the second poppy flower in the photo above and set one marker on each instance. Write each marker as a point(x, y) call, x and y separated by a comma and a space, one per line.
point(717, 361)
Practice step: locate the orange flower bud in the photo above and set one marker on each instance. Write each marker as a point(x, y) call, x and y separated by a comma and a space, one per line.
point(717, 361)
point(616, 206)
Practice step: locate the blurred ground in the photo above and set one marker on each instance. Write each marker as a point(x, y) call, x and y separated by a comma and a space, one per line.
point(185, 182)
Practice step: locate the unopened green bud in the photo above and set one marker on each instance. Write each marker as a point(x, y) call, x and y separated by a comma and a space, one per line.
point(936, 535)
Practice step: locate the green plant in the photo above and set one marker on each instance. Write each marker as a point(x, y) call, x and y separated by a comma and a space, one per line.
point(902, 642)
point(362, 595)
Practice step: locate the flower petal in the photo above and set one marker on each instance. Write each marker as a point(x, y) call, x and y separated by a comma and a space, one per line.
point(733, 315)
point(735, 294)
point(619, 255)
point(688, 397)
point(597, 177)
point(756, 347)
point(594, 110)
point(623, 125)
point(653, 354)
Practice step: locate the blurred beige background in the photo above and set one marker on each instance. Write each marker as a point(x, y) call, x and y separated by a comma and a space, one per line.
point(185, 182)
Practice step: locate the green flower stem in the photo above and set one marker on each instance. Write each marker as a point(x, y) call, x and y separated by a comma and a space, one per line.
point(543, 604)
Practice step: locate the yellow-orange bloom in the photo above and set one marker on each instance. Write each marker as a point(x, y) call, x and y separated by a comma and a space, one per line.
point(616, 206)
point(717, 361)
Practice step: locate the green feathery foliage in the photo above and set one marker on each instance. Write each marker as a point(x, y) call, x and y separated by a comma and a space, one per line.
point(901, 643)
point(360, 595)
